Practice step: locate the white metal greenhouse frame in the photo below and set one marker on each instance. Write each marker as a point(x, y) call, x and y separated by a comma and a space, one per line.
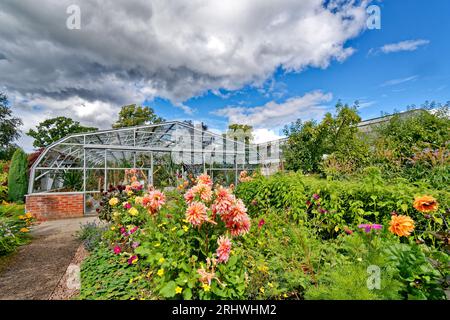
point(135, 147)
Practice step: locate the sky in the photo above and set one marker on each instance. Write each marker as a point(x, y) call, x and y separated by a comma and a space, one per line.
point(258, 62)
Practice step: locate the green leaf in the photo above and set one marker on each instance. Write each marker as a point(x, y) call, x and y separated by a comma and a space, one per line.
point(187, 294)
point(404, 207)
point(232, 261)
point(168, 291)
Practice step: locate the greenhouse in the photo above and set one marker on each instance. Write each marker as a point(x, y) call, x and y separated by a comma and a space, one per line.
point(84, 165)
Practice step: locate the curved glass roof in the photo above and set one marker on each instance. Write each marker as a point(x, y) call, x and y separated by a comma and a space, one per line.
point(180, 143)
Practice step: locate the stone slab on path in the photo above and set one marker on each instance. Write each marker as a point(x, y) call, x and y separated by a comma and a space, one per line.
point(36, 269)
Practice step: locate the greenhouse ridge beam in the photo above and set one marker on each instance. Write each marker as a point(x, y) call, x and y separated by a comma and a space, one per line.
point(156, 149)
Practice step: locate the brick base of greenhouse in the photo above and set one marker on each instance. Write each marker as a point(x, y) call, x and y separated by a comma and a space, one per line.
point(55, 206)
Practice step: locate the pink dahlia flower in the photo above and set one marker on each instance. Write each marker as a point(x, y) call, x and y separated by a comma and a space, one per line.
point(223, 251)
point(204, 179)
point(156, 199)
point(196, 213)
point(203, 191)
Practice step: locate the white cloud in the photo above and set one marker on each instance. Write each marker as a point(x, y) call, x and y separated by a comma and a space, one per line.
point(273, 114)
point(265, 135)
point(408, 45)
point(136, 50)
point(394, 82)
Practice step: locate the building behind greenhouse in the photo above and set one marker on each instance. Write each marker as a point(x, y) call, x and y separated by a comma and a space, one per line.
point(69, 176)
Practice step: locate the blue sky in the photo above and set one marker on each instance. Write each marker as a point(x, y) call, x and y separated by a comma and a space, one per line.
point(261, 62)
point(381, 82)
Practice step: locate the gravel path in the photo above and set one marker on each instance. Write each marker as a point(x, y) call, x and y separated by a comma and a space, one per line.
point(36, 269)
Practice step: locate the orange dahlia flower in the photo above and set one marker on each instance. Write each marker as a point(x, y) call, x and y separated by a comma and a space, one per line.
point(401, 225)
point(425, 204)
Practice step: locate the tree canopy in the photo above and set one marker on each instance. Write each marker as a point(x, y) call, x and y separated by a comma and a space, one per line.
point(133, 115)
point(242, 132)
point(9, 129)
point(52, 130)
point(335, 135)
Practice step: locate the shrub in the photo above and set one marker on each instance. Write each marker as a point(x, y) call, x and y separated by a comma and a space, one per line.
point(18, 176)
point(332, 206)
point(91, 235)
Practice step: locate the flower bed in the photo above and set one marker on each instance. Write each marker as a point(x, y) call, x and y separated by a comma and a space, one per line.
point(14, 227)
point(198, 242)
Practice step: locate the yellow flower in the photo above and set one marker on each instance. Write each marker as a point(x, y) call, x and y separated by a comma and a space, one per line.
point(133, 211)
point(178, 290)
point(160, 272)
point(161, 260)
point(129, 193)
point(270, 284)
point(285, 295)
point(206, 287)
point(138, 200)
point(185, 228)
point(113, 201)
point(116, 214)
point(113, 228)
point(263, 268)
point(261, 289)
point(157, 244)
point(24, 230)
point(28, 215)
point(173, 229)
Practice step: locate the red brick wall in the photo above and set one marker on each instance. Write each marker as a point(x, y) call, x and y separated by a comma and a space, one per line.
point(55, 206)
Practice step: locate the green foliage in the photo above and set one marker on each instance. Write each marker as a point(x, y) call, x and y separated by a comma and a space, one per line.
point(335, 135)
point(133, 115)
point(350, 278)
point(7, 152)
point(241, 132)
point(18, 176)
point(282, 258)
point(12, 224)
point(9, 128)
point(419, 129)
point(423, 281)
point(54, 129)
point(103, 276)
point(73, 180)
point(305, 242)
point(4, 168)
point(415, 145)
point(340, 204)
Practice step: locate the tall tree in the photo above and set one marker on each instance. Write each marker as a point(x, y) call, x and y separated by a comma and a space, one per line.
point(18, 176)
point(9, 129)
point(52, 130)
point(133, 115)
point(336, 134)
